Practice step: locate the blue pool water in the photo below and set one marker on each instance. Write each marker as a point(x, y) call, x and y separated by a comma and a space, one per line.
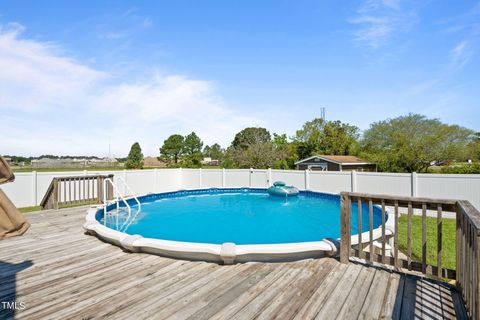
point(241, 216)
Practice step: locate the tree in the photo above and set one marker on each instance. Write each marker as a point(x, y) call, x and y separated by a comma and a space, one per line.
point(326, 137)
point(135, 157)
point(172, 148)
point(192, 148)
point(250, 136)
point(474, 147)
point(215, 151)
point(192, 144)
point(252, 148)
point(286, 152)
point(410, 143)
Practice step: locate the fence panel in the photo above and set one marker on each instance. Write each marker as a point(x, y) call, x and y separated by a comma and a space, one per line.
point(258, 179)
point(139, 181)
point(237, 178)
point(294, 178)
point(190, 179)
point(331, 182)
point(395, 184)
point(21, 191)
point(167, 180)
point(212, 178)
point(452, 186)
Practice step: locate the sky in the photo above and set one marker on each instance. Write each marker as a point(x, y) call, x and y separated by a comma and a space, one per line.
point(86, 77)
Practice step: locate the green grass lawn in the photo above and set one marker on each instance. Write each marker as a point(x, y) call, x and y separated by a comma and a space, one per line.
point(448, 240)
point(30, 209)
point(63, 206)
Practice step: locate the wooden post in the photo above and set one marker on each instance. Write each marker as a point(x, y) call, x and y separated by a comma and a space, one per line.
point(55, 193)
point(359, 227)
point(476, 263)
point(409, 236)
point(424, 238)
point(459, 244)
point(345, 228)
point(99, 189)
point(439, 240)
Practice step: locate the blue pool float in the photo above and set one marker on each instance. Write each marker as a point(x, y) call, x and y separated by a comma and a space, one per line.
point(280, 189)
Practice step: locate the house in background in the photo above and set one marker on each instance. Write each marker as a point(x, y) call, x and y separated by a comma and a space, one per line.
point(207, 161)
point(335, 163)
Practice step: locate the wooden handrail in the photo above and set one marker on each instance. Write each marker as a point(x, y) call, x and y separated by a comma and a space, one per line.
point(467, 273)
point(75, 190)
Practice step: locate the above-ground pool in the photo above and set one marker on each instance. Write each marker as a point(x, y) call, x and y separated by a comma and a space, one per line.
point(227, 225)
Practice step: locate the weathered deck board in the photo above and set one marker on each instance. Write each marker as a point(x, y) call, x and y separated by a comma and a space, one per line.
point(58, 272)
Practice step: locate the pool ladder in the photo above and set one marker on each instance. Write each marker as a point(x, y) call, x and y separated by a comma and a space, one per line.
point(118, 196)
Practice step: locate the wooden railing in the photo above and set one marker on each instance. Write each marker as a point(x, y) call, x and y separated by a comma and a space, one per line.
point(367, 244)
point(77, 190)
point(468, 256)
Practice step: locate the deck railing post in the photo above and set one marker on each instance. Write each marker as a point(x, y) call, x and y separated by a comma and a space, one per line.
point(99, 189)
point(345, 228)
point(55, 192)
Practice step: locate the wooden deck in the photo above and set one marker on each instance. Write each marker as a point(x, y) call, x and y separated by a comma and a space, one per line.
point(55, 271)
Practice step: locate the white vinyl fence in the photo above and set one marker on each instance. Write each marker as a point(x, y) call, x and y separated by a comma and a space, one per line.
point(29, 188)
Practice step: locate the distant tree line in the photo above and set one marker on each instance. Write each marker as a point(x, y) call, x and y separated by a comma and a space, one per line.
point(28, 160)
point(404, 144)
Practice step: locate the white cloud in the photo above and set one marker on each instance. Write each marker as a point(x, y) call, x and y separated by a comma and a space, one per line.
point(422, 87)
point(35, 76)
point(378, 20)
point(461, 54)
point(55, 104)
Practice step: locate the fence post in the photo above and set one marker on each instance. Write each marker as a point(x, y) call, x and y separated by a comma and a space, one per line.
point(414, 184)
point(307, 179)
point(250, 172)
point(200, 182)
point(269, 177)
point(345, 228)
point(34, 188)
point(353, 180)
point(223, 178)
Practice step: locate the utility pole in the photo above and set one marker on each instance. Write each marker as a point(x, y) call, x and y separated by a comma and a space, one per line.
point(322, 113)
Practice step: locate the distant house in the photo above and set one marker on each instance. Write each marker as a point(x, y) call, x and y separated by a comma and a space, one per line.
point(207, 161)
point(335, 163)
point(153, 162)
